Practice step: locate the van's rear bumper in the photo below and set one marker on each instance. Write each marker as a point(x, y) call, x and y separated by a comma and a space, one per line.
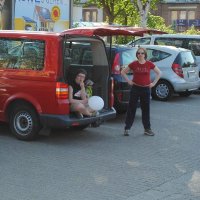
point(66, 121)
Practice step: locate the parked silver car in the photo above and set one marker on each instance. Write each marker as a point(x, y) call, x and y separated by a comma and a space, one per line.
point(179, 71)
point(191, 42)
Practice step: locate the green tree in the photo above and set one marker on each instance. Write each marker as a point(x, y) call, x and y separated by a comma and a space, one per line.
point(143, 8)
point(192, 31)
point(126, 12)
point(76, 1)
point(114, 8)
point(158, 22)
point(128, 16)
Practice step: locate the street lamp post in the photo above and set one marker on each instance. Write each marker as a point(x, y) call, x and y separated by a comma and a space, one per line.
point(70, 13)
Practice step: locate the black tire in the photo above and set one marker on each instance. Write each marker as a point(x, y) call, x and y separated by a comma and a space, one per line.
point(24, 122)
point(185, 94)
point(162, 91)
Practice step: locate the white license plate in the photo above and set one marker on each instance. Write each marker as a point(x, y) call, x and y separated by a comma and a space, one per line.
point(192, 76)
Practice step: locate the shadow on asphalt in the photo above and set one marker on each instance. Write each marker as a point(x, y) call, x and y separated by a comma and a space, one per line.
point(177, 98)
point(62, 136)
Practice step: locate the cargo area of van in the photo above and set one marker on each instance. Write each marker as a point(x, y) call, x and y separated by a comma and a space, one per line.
point(89, 55)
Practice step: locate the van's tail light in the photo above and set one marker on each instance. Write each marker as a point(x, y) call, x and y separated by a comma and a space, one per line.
point(112, 93)
point(116, 64)
point(62, 90)
point(178, 70)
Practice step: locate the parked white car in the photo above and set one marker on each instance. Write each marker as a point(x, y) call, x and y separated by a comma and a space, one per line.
point(180, 73)
point(191, 42)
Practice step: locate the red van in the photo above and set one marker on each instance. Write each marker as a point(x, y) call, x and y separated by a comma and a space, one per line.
point(35, 69)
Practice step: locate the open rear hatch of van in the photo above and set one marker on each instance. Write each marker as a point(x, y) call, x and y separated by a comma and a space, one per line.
point(84, 48)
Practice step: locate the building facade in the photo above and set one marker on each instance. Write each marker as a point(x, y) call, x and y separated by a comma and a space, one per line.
point(181, 14)
point(87, 14)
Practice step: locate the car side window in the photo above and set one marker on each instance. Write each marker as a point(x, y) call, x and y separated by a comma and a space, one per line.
point(194, 45)
point(23, 54)
point(177, 42)
point(142, 41)
point(156, 55)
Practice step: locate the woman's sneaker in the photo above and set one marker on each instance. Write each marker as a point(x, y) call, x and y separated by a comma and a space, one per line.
point(149, 132)
point(126, 132)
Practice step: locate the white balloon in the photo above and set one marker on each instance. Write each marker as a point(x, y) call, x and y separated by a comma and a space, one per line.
point(96, 103)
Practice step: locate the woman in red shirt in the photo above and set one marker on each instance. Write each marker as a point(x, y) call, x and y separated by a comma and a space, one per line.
point(141, 89)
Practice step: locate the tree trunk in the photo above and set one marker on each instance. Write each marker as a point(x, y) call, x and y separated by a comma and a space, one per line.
point(143, 11)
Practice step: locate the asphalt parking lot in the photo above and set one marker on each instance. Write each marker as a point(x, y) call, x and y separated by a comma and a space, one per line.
point(102, 164)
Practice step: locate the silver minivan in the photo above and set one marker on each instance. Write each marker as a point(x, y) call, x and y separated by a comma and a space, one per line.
point(191, 42)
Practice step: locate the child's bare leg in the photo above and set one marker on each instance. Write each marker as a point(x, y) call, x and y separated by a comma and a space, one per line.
point(83, 109)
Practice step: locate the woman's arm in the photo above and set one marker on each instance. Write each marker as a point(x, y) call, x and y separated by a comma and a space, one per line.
point(72, 100)
point(158, 74)
point(124, 72)
point(83, 92)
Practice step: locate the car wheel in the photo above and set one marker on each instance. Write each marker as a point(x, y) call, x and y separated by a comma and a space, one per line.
point(162, 91)
point(185, 94)
point(24, 122)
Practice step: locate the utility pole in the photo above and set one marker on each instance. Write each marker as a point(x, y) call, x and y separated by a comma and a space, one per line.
point(70, 13)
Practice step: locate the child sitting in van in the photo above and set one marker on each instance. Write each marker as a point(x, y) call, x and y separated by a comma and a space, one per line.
point(78, 97)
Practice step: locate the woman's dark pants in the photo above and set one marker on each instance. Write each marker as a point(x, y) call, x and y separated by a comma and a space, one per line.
point(143, 94)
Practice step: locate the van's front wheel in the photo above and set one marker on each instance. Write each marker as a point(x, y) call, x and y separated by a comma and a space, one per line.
point(24, 122)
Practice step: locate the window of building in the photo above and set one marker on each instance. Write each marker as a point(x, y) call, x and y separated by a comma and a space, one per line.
point(191, 15)
point(183, 14)
point(90, 15)
point(174, 16)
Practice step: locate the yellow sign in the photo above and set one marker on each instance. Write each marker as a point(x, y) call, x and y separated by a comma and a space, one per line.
point(55, 13)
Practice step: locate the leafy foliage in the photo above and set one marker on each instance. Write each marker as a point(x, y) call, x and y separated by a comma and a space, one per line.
point(76, 1)
point(116, 10)
point(158, 22)
point(126, 12)
point(192, 31)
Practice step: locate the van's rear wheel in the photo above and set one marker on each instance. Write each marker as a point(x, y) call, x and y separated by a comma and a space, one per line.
point(24, 122)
